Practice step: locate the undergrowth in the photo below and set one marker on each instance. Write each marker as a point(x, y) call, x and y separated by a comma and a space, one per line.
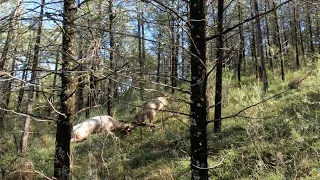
point(277, 139)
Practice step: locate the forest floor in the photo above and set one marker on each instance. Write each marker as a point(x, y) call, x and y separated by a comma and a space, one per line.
point(276, 139)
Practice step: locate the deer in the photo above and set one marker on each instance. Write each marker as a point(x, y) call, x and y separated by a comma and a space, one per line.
point(98, 124)
point(149, 111)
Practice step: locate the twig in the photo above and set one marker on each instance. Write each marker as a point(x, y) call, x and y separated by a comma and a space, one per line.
point(52, 106)
point(34, 117)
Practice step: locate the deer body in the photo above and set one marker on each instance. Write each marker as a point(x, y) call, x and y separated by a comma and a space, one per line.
point(98, 124)
point(149, 111)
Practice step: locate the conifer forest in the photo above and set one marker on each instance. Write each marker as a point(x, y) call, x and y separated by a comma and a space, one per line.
point(159, 89)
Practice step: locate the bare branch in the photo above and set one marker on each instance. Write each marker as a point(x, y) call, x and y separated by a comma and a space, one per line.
point(247, 20)
point(263, 101)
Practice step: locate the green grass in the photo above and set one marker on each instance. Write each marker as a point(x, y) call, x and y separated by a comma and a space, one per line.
point(278, 139)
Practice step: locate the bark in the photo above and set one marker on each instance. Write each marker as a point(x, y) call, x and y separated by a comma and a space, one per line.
point(285, 34)
point(81, 83)
point(218, 93)
point(159, 52)
point(198, 107)
point(254, 50)
point(24, 76)
point(311, 34)
point(295, 23)
point(21, 90)
point(268, 51)
point(67, 96)
point(166, 64)
point(183, 74)
point(54, 83)
point(6, 46)
point(174, 52)
point(112, 48)
point(90, 97)
point(177, 56)
point(140, 51)
point(27, 120)
point(318, 33)
point(5, 87)
point(242, 49)
point(279, 43)
point(260, 48)
point(301, 40)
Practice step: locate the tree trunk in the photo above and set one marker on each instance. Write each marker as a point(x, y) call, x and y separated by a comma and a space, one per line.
point(268, 48)
point(254, 49)
point(198, 107)
point(27, 120)
point(241, 52)
point(21, 90)
point(81, 83)
point(301, 40)
point(285, 35)
point(183, 74)
point(295, 23)
point(174, 52)
point(67, 96)
point(5, 87)
point(54, 83)
point(166, 64)
point(140, 51)
point(279, 42)
point(112, 48)
point(90, 97)
point(24, 74)
point(218, 93)
point(260, 48)
point(159, 50)
point(318, 33)
point(311, 34)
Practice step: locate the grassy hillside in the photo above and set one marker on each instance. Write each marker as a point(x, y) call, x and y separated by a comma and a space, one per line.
point(277, 139)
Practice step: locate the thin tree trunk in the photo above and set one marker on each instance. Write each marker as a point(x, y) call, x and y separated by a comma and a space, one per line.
point(174, 52)
point(218, 93)
point(67, 97)
point(260, 48)
point(27, 120)
point(140, 51)
point(279, 42)
point(295, 23)
point(16, 38)
point(90, 97)
point(54, 83)
point(21, 90)
point(268, 49)
point(24, 75)
point(81, 83)
point(177, 44)
point(112, 48)
point(318, 33)
point(285, 36)
point(242, 49)
point(183, 74)
point(301, 40)
point(5, 87)
point(198, 107)
point(143, 46)
point(159, 50)
point(311, 34)
point(254, 49)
